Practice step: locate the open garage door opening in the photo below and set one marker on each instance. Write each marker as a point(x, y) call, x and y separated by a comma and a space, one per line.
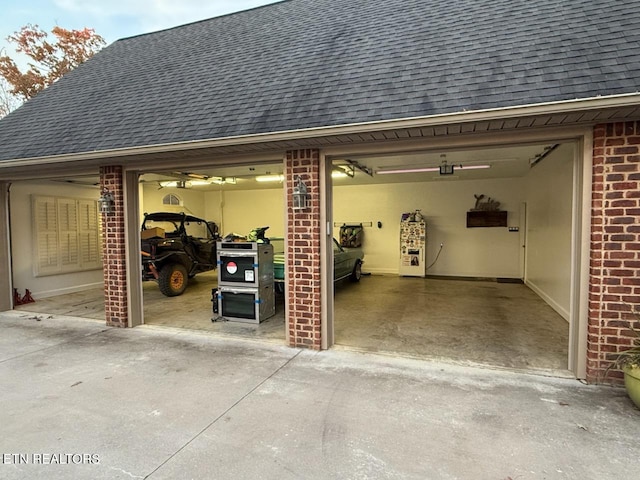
point(467, 255)
point(186, 216)
point(56, 247)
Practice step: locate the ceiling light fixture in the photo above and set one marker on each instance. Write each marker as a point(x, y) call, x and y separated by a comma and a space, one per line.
point(270, 178)
point(176, 184)
point(430, 169)
point(200, 183)
point(343, 171)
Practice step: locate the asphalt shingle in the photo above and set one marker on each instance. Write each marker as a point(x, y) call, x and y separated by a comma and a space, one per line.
point(309, 63)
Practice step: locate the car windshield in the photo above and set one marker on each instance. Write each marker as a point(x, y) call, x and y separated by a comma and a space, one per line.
point(170, 228)
point(196, 229)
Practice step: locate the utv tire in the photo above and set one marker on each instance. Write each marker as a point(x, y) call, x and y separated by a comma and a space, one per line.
point(173, 279)
point(356, 275)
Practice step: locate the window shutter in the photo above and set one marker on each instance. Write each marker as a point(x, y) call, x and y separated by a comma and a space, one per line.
point(68, 231)
point(88, 233)
point(67, 235)
point(46, 226)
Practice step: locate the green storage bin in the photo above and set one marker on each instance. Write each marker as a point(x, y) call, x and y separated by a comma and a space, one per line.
point(278, 266)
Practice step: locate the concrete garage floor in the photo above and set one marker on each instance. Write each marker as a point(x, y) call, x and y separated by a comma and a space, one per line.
point(178, 404)
point(498, 324)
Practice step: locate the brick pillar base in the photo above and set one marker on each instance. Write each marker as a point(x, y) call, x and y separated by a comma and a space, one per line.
point(113, 251)
point(614, 284)
point(303, 312)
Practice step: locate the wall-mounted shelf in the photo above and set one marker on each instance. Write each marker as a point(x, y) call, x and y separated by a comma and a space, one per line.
point(486, 218)
point(362, 224)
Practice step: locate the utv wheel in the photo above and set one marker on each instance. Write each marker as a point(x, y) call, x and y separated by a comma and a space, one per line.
point(356, 275)
point(172, 279)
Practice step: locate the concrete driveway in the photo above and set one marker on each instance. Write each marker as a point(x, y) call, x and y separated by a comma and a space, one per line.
point(83, 401)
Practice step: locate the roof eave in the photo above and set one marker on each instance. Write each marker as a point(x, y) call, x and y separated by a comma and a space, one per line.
point(549, 108)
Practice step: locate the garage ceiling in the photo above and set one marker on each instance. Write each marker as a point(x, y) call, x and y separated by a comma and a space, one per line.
point(502, 162)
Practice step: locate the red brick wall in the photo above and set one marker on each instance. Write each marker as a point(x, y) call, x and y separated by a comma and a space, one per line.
point(113, 248)
point(615, 245)
point(303, 254)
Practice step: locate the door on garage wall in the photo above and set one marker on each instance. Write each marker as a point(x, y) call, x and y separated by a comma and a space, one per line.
point(477, 302)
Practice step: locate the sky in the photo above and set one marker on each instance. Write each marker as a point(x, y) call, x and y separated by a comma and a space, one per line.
point(112, 19)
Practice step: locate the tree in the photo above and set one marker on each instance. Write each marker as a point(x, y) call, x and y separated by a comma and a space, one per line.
point(8, 102)
point(49, 61)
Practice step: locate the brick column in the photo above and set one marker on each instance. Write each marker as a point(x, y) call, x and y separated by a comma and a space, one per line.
point(303, 254)
point(113, 251)
point(614, 286)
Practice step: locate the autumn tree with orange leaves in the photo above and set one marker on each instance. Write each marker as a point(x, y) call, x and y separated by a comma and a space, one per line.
point(48, 60)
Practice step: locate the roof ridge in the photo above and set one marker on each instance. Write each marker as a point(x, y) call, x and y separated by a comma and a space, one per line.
point(230, 14)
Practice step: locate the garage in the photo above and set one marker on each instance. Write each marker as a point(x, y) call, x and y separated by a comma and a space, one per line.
point(496, 295)
point(518, 148)
point(235, 200)
point(56, 246)
point(506, 286)
point(495, 292)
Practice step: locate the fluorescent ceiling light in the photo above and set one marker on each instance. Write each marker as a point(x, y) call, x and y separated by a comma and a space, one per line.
point(430, 169)
point(408, 170)
point(270, 178)
point(198, 182)
point(173, 183)
point(472, 167)
point(213, 180)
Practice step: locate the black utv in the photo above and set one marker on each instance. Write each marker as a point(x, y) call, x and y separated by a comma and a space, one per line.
point(176, 247)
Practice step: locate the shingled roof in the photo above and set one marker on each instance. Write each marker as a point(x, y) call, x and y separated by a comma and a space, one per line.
point(307, 63)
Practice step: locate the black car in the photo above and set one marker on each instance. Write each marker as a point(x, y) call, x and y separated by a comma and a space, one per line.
point(176, 247)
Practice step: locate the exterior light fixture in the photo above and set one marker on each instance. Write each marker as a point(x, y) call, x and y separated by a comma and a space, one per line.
point(107, 202)
point(300, 195)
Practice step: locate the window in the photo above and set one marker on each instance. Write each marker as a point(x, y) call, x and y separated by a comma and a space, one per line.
point(171, 199)
point(67, 235)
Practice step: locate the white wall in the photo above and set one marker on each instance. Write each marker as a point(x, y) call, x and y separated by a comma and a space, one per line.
point(22, 237)
point(237, 211)
point(193, 201)
point(549, 210)
point(241, 211)
point(474, 252)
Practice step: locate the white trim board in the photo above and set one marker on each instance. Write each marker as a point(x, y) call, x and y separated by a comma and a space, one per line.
point(548, 300)
point(63, 291)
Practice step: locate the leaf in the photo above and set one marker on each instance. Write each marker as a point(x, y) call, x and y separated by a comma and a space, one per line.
point(50, 60)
